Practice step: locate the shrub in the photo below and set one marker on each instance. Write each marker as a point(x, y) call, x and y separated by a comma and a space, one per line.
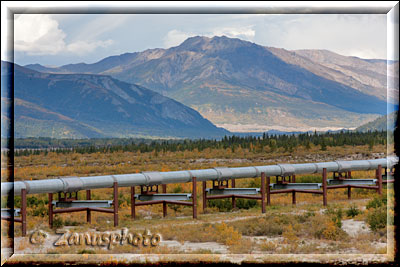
point(331, 231)
point(352, 211)
point(246, 203)
point(178, 189)
point(39, 211)
point(377, 202)
point(221, 204)
point(57, 222)
point(336, 215)
point(377, 218)
point(259, 227)
point(226, 234)
point(302, 218)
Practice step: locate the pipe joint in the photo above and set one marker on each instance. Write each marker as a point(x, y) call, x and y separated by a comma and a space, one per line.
point(72, 184)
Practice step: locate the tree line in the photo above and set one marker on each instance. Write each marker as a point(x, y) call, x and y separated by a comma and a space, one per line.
point(37, 146)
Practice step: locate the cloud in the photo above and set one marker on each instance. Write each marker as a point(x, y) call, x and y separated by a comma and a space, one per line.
point(176, 37)
point(82, 47)
point(39, 34)
point(351, 35)
point(246, 33)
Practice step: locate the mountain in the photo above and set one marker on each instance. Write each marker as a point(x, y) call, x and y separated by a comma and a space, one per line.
point(245, 87)
point(382, 123)
point(88, 105)
point(367, 76)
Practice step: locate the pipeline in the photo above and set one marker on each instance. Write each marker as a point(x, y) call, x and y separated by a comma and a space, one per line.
point(74, 184)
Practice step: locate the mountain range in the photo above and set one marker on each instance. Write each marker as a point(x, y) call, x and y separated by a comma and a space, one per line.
point(92, 105)
point(245, 87)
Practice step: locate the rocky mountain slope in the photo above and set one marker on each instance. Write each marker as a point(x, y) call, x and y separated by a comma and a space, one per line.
point(242, 86)
point(87, 105)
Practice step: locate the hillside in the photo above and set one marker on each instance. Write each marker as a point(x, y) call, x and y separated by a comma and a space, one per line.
point(87, 105)
point(380, 124)
point(245, 87)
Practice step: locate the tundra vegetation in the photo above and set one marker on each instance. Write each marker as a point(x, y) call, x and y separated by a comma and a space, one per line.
point(305, 228)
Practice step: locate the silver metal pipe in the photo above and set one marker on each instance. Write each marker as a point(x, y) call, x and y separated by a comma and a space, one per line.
point(71, 184)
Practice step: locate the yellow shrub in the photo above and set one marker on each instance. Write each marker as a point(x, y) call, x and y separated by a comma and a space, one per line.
point(331, 231)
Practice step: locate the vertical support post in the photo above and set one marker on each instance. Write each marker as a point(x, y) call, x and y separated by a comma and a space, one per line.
point(51, 209)
point(23, 211)
point(268, 191)
point(133, 211)
point(164, 208)
point(233, 197)
point(324, 188)
point(115, 187)
point(88, 213)
point(204, 196)
point(294, 197)
point(379, 174)
point(164, 204)
point(263, 192)
point(194, 197)
point(349, 174)
point(293, 178)
point(349, 192)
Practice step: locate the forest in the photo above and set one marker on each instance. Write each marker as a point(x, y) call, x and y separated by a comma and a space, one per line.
point(37, 146)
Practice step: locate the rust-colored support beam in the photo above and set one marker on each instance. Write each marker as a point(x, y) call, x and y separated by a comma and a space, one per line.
point(233, 197)
point(115, 187)
point(263, 192)
point(349, 174)
point(268, 191)
point(204, 196)
point(51, 210)
point(23, 211)
point(324, 187)
point(102, 210)
point(164, 188)
point(339, 186)
point(311, 191)
point(280, 191)
point(379, 177)
point(88, 213)
point(133, 210)
point(164, 209)
point(293, 178)
point(66, 210)
point(294, 197)
point(194, 197)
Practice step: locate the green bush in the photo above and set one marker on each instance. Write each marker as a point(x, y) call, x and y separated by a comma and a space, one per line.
point(221, 204)
point(226, 204)
point(302, 218)
point(177, 189)
point(377, 218)
point(352, 211)
point(40, 211)
point(57, 222)
point(246, 203)
point(377, 202)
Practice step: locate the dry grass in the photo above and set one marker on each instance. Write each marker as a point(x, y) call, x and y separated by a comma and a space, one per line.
point(303, 227)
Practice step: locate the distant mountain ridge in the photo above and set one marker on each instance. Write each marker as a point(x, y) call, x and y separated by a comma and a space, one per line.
point(88, 105)
point(242, 86)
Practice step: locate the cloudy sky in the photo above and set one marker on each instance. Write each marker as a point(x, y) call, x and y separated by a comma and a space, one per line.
point(55, 40)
